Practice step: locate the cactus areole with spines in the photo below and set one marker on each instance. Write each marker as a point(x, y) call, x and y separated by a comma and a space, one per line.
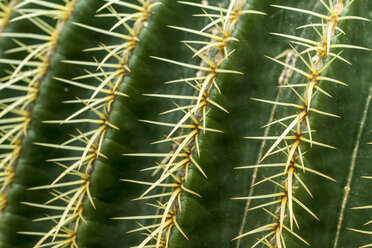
point(185, 124)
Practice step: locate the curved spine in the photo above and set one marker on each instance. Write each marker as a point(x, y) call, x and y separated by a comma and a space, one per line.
point(88, 144)
point(185, 134)
point(316, 57)
point(24, 80)
point(6, 10)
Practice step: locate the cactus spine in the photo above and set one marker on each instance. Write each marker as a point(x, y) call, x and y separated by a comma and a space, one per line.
point(83, 145)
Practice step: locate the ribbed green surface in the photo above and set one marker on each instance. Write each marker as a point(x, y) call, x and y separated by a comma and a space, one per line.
point(214, 219)
point(31, 168)
point(112, 197)
point(352, 148)
point(349, 103)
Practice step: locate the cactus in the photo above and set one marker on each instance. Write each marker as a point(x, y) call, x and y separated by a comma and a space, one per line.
point(137, 123)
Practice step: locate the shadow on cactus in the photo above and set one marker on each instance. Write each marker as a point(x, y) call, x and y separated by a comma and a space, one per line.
point(125, 123)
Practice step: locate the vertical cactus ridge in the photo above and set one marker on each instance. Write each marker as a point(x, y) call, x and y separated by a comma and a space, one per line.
point(352, 155)
point(30, 59)
point(72, 176)
point(185, 134)
point(75, 190)
point(214, 219)
point(24, 80)
point(289, 180)
point(85, 112)
point(125, 115)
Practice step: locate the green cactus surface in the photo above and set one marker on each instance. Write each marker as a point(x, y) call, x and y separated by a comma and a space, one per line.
point(185, 124)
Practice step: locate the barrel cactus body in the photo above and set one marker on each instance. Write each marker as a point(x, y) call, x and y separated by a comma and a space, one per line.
point(213, 123)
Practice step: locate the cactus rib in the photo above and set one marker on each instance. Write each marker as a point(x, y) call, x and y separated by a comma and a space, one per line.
point(25, 79)
point(175, 165)
point(299, 122)
point(100, 103)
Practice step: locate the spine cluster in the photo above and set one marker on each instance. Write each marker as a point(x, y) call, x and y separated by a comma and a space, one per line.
point(212, 49)
point(6, 10)
point(316, 56)
point(25, 77)
point(86, 146)
point(28, 65)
